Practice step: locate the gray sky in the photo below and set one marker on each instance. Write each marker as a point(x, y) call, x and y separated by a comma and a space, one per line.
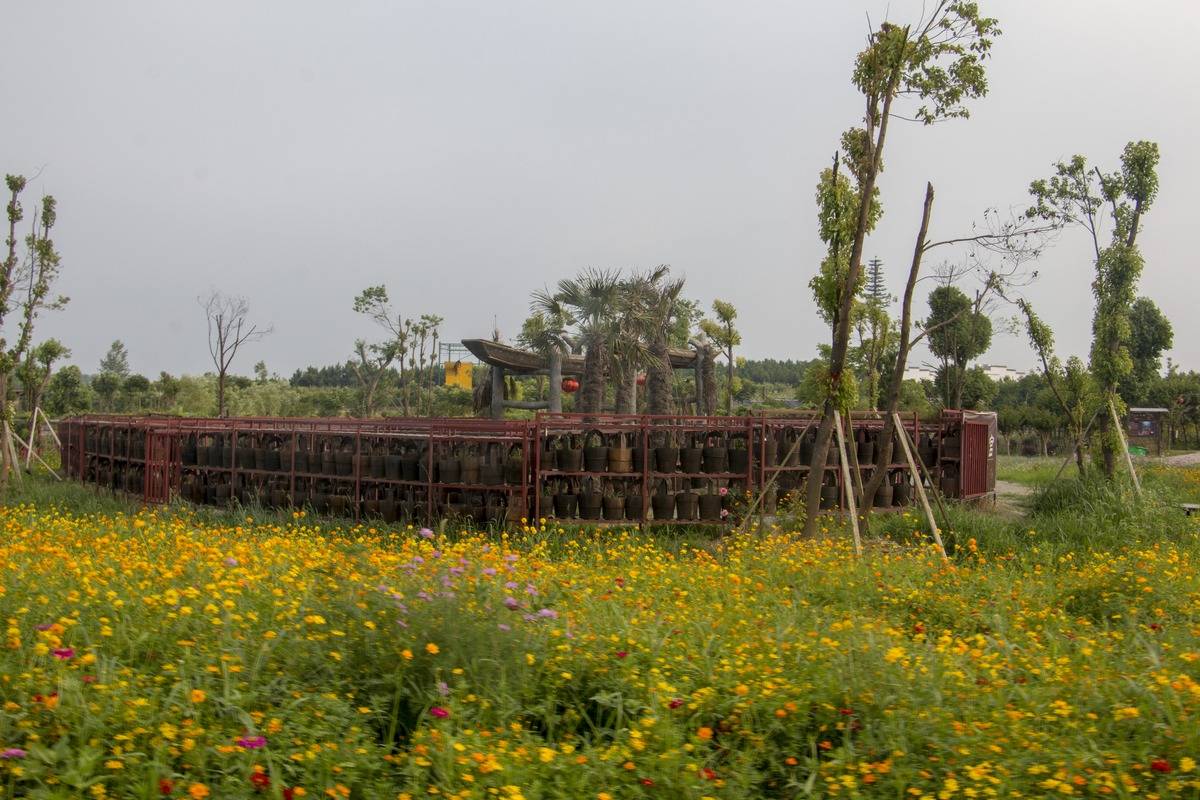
point(467, 153)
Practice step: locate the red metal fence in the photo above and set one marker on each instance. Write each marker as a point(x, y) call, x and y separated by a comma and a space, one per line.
point(615, 468)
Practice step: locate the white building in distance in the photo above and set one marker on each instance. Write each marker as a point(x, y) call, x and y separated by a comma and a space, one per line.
point(996, 372)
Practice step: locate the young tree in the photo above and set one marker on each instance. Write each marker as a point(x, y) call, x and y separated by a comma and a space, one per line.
point(960, 333)
point(726, 337)
point(116, 360)
point(34, 276)
point(1078, 195)
point(66, 393)
point(1150, 335)
point(37, 368)
point(228, 330)
point(939, 64)
point(375, 359)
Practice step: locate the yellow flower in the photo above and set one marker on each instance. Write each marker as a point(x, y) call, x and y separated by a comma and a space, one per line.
point(113, 764)
point(198, 696)
point(1187, 764)
point(432, 649)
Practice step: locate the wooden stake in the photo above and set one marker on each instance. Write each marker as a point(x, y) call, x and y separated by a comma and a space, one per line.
point(852, 507)
point(35, 455)
point(920, 485)
point(1137, 484)
point(853, 448)
point(12, 462)
point(770, 481)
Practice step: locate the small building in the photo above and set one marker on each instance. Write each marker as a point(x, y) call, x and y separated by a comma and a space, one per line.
point(1146, 427)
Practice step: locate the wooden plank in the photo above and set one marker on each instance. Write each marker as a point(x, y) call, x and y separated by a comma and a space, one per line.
point(1137, 484)
point(920, 485)
point(851, 505)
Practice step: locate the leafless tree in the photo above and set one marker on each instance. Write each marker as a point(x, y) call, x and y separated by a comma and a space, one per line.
point(228, 330)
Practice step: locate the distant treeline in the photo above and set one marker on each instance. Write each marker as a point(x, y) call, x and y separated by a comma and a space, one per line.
point(772, 370)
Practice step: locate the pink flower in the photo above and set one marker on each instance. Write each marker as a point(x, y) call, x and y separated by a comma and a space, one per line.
point(63, 653)
point(426, 533)
point(252, 742)
point(439, 712)
point(12, 752)
point(723, 491)
point(622, 653)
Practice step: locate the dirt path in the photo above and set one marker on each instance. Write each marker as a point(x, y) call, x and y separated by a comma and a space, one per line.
point(1187, 459)
point(1012, 498)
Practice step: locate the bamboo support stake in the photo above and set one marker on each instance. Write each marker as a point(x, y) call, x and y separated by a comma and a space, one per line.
point(920, 485)
point(12, 462)
point(35, 455)
point(862, 495)
point(1137, 484)
point(852, 507)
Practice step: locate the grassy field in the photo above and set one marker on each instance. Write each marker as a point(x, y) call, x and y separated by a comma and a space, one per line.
point(167, 653)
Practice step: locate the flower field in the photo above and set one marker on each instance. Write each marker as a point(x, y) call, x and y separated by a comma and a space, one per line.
point(161, 655)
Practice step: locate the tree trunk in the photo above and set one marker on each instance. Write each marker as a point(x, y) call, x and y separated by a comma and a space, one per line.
point(591, 395)
point(221, 393)
point(841, 334)
point(883, 452)
point(626, 400)
point(729, 384)
point(5, 463)
point(659, 376)
point(709, 370)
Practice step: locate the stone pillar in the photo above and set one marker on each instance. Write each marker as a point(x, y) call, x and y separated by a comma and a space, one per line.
point(497, 392)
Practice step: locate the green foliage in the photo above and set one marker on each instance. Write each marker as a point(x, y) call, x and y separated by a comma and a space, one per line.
point(116, 360)
point(67, 393)
point(958, 333)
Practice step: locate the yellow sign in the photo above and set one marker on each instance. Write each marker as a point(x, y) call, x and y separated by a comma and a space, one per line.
point(459, 373)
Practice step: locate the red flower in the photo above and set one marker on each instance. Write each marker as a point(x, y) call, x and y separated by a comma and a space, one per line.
point(439, 712)
point(165, 787)
point(1160, 765)
point(89, 678)
point(708, 774)
point(676, 703)
point(260, 780)
point(647, 782)
point(289, 793)
point(622, 653)
point(847, 712)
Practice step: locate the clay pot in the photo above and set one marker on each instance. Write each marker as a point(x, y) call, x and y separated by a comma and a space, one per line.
point(376, 466)
point(620, 459)
point(666, 459)
point(883, 495)
point(449, 470)
point(591, 502)
point(570, 459)
point(829, 496)
point(691, 459)
point(633, 506)
point(866, 452)
point(614, 508)
point(902, 494)
point(595, 458)
point(469, 470)
point(663, 506)
point(710, 507)
point(565, 505)
point(391, 467)
point(739, 460)
point(716, 459)
point(687, 505)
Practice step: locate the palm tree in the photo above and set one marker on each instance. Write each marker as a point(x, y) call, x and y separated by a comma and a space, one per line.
point(545, 332)
point(658, 299)
point(592, 298)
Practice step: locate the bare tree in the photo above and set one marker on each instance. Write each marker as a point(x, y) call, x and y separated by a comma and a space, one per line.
point(228, 330)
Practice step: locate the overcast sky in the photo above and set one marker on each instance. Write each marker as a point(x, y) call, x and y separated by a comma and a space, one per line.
point(465, 154)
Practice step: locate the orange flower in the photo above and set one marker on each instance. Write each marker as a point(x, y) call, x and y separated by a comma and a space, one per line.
point(705, 733)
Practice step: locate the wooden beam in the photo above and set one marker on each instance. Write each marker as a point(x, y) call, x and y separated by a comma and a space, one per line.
point(1137, 484)
point(852, 507)
point(920, 485)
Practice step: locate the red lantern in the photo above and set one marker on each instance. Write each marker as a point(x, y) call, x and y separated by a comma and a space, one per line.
point(641, 379)
point(570, 385)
